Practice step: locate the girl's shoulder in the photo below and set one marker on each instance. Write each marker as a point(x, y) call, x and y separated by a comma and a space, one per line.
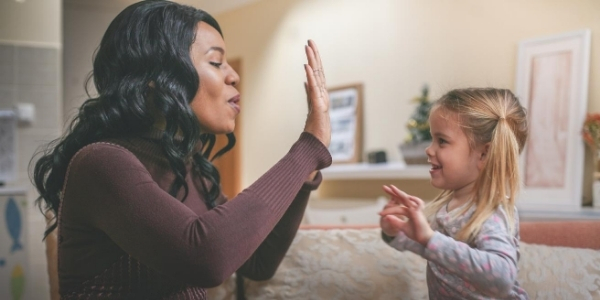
point(500, 220)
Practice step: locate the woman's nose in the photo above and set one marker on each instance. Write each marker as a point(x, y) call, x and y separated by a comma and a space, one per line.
point(233, 78)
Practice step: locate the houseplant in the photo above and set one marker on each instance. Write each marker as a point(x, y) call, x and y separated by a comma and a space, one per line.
point(591, 136)
point(419, 137)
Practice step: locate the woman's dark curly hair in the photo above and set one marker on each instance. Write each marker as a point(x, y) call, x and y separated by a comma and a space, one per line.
point(144, 54)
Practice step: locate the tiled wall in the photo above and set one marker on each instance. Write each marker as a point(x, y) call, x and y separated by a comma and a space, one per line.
point(32, 74)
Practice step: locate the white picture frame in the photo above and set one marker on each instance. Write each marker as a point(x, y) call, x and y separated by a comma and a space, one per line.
point(345, 111)
point(552, 84)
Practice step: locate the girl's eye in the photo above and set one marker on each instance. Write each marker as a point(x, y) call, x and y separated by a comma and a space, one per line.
point(442, 141)
point(216, 64)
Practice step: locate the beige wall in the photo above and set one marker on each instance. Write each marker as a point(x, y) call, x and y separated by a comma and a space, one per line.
point(390, 46)
point(84, 26)
point(31, 21)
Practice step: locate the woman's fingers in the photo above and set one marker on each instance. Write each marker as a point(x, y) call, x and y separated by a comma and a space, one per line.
point(318, 121)
point(318, 65)
point(314, 65)
point(314, 61)
point(313, 90)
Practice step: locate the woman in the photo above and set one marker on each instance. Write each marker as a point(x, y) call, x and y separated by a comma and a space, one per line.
point(140, 213)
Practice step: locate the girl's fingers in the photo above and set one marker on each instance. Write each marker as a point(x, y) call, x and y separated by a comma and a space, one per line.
point(410, 201)
point(389, 191)
point(395, 210)
point(418, 202)
point(395, 222)
point(402, 197)
point(398, 191)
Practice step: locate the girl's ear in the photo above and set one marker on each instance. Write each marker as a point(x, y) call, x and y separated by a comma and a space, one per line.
point(483, 152)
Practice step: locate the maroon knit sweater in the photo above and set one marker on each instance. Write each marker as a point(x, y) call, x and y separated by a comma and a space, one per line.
point(122, 236)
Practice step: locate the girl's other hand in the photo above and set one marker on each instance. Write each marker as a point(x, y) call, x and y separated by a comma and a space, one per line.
point(393, 218)
point(414, 224)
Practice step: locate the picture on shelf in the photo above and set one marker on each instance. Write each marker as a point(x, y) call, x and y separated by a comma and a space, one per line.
point(345, 112)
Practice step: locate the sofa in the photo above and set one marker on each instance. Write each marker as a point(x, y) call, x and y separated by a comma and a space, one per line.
point(559, 260)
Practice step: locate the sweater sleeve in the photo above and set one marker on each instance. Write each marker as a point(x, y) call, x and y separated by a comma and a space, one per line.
point(402, 243)
point(490, 267)
point(113, 192)
point(264, 262)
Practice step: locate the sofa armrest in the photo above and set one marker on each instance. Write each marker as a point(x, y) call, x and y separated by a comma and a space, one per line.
point(576, 234)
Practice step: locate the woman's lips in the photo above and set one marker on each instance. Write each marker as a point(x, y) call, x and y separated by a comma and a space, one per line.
point(235, 103)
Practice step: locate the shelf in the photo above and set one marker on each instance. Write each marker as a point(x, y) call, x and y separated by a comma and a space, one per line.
point(10, 191)
point(394, 170)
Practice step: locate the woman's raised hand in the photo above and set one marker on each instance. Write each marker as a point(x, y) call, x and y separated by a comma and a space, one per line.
point(317, 121)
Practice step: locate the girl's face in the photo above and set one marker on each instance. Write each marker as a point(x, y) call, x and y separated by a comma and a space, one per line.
point(454, 165)
point(216, 103)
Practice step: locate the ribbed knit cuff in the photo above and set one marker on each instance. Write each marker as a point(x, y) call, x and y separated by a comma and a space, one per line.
point(309, 143)
point(313, 184)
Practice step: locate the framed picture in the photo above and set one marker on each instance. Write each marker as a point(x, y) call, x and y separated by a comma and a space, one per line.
point(552, 83)
point(345, 111)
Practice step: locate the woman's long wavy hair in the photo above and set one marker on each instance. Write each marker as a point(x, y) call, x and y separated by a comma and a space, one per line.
point(142, 71)
point(494, 117)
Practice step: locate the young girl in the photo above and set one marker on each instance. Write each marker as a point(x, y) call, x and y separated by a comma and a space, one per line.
point(470, 233)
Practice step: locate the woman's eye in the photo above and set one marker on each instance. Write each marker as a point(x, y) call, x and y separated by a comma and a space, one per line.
point(216, 64)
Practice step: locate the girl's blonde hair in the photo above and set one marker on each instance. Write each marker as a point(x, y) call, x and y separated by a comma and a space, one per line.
point(494, 117)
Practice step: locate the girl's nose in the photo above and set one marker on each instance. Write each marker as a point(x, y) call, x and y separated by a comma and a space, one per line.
point(429, 151)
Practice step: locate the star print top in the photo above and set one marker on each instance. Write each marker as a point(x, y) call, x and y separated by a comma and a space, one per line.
point(486, 268)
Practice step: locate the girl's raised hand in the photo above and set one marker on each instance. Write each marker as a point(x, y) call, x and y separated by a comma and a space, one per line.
point(410, 219)
point(317, 121)
point(393, 218)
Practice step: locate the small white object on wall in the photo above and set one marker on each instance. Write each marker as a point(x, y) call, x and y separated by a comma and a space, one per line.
point(25, 113)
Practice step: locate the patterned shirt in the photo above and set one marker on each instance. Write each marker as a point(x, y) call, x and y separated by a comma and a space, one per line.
point(484, 269)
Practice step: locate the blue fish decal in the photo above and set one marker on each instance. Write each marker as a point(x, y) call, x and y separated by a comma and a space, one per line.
point(14, 225)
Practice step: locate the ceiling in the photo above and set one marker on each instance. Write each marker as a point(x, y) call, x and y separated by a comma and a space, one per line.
point(213, 7)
